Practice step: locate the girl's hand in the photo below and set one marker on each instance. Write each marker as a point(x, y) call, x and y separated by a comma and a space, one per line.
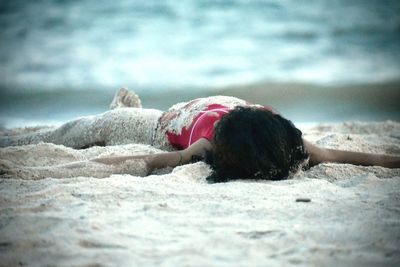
point(162, 160)
point(320, 155)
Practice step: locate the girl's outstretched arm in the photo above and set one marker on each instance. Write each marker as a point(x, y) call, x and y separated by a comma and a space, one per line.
point(320, 155)
point(162, 160)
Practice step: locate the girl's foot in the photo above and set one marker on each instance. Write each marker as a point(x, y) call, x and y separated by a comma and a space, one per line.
point(125, 98)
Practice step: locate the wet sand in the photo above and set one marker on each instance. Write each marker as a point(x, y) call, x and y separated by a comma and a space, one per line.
point(297, 101)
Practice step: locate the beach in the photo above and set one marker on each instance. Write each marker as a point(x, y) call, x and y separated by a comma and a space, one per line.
point(331, 67)
point(329, 215)
point(302, 59)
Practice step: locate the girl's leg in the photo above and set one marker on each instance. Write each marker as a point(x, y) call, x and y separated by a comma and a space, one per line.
point(118, 126)
point(125, 99)
point(127, 122)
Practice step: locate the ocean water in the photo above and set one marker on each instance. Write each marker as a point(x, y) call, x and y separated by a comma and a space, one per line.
point(152, 45)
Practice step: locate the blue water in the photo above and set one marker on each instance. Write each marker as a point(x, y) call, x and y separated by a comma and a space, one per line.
point(159, 45)
point(63, 59)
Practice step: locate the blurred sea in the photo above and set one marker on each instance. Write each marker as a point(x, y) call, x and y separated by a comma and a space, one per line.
point(81, 51)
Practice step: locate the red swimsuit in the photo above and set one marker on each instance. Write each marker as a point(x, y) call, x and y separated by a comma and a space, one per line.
point(201, 127)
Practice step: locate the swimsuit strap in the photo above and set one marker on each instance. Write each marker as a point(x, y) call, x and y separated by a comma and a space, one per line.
point(204, 112)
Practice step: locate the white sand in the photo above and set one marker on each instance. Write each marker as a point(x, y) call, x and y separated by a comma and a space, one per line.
point(177, 219)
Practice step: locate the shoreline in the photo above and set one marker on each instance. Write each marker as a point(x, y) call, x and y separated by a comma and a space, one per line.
point(303, 103)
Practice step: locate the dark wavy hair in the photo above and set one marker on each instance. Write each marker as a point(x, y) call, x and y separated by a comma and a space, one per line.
point(254, 143)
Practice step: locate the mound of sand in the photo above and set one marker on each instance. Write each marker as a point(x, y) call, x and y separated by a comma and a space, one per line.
point(331, 215)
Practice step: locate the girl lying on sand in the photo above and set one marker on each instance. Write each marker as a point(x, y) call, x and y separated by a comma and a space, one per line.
point(239, 140)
